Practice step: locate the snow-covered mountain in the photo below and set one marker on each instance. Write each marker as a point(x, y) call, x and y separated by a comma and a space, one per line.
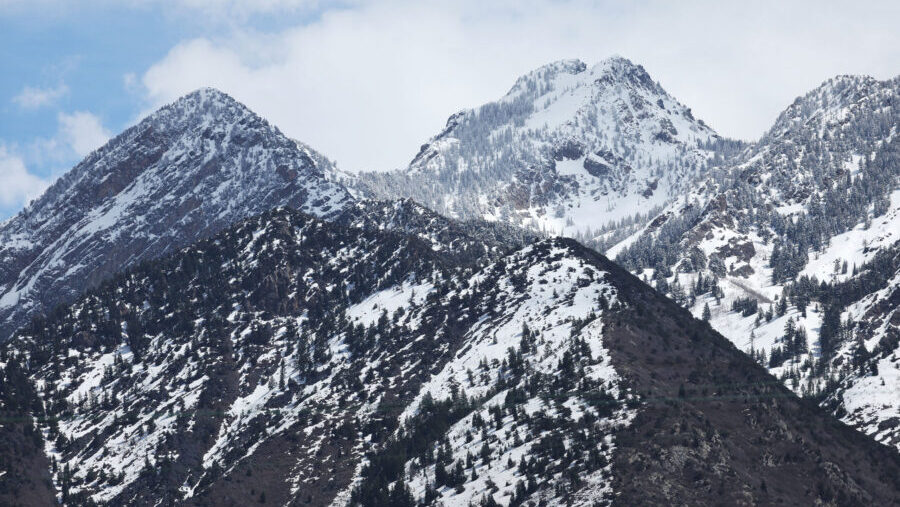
point(294, 361)
point(582, 152)
point(236, 328)
point(794, 250)
point(186, 171)
point(569, 149)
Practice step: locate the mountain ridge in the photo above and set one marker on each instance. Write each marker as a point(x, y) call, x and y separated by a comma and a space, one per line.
point(287, 352)
point(189, 169)
point(800, 216)
point(568, 149)
point(293, 343)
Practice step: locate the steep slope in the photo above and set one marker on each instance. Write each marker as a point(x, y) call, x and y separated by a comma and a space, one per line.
point(186, 171)
point(865, 386)
point(25, 477)
point(526, 402)
point(280, 347)
point(717, 429)
point(569, 149)
point(296, 361)
point(783, 251)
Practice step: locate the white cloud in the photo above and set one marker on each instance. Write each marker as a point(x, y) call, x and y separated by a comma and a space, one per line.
point(77, 135)
point(82, 132)
point(17, 185)
point(33, 98)
point(366, 85)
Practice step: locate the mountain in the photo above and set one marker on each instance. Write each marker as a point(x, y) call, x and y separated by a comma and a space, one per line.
point(186, 171)
point(298, 361)
point(570, 149)
point(203, 313)
point(793, 250)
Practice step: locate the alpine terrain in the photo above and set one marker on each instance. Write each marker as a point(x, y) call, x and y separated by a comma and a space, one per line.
point(793, 251)
point(294, 361)
point(186, 171)
point(206, 312)
point(570, 149)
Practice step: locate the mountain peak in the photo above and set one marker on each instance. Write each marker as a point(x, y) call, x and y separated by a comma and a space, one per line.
point(622, 70)
point(208, 105)
point(567, 149)
point(841, 88)
point(545, 74)
point(189, 169)
point(616, 62)
point(205, 95)
point(614, 68)
point(568, 65)
point(831, 100)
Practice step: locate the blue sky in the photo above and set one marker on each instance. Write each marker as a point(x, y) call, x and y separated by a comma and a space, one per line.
point(88, 52)
point(90, 48)
point(81, 57)
point(67, 62)
point(367, 82)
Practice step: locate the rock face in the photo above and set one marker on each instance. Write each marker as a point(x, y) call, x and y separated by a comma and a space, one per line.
point(569, 149)
point(185, 172)
point(809, 215)
point(297, 361)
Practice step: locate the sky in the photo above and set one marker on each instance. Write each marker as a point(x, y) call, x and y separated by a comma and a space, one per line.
point(366, 83)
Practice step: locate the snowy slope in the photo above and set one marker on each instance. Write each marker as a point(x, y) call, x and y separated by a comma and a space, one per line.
point(568, 150)
point(563, 318)
point(181, 390)
point(290, 360)
point(278, 315)
point(868, 390)
point(186, 171)
point(814, 200)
